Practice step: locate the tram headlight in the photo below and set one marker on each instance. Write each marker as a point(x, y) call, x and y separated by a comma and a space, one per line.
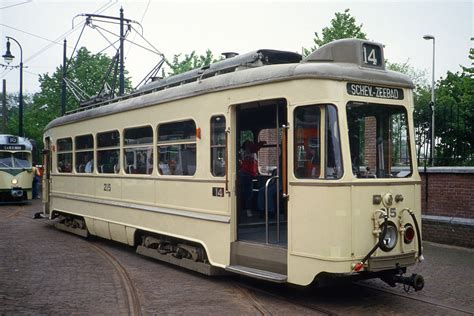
point(14, 181)
point(409, 234)
point(390, 240)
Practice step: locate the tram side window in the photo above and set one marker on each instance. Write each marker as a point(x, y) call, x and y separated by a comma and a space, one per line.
point(138, 150)
point(218, 146)
point(307, 142)
point(64, 156)
point(177, 148)
point(108, 152)
point(84, 154)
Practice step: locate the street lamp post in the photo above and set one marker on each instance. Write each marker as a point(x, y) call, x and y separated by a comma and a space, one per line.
point(432, 154)
point(8, 59)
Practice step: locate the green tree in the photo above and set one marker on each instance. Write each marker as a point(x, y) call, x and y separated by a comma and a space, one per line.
point(454, 114)
point(421, 99)
point(189, 62)
point(454, 119)
point(342, 26)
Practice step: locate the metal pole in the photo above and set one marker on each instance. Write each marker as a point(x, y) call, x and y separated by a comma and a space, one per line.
point(433, 109)
point(63, 84)
point(4, 107)
point(20, 112)
point(121, 75)
point(20, 123)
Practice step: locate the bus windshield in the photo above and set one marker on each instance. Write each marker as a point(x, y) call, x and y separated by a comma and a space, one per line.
point(14, 160)
point(379, 141)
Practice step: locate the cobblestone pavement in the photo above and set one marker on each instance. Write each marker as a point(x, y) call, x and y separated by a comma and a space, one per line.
point(46, 271)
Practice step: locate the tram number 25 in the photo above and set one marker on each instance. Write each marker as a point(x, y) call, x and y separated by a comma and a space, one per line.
point(392, 212)
point(107, 187)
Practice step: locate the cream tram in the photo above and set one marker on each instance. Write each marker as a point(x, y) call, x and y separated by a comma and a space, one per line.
point(334, 189)
point(16, 176)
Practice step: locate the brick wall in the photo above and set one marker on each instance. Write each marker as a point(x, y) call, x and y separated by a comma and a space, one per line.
point(450, 192)
point(447, 205)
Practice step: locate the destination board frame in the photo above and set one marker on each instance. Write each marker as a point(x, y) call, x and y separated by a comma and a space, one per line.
point(373, 91)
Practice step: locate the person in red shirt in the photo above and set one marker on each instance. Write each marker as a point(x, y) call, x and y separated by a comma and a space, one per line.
point(248, 171)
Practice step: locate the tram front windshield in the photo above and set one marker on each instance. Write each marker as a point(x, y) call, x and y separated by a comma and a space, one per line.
point(14, 160)
point(379, 141)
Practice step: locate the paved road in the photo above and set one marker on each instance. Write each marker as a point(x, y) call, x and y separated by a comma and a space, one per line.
point(45, 271)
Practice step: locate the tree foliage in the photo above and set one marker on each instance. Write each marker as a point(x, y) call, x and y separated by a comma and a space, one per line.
point(454, 115)
point(421, 99)
point(342, 26)
point(189, 62)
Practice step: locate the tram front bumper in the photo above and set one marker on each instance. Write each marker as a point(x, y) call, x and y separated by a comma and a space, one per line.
point(16, 192)
point(376, 264)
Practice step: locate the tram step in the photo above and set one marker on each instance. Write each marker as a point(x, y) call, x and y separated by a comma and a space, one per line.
point(259, 274)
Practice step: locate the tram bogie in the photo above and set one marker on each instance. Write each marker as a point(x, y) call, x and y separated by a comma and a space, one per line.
point(263, 164)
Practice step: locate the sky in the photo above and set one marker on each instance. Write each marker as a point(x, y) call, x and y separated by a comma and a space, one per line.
point(183, 26)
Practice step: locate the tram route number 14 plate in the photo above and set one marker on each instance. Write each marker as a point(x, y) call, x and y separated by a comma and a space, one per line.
point(219, 192)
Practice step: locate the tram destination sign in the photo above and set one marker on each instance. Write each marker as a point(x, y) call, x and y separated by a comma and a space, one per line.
point(365, 90)
point(12, 147)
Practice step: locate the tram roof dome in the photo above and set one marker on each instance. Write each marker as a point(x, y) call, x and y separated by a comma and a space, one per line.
point(349, 50)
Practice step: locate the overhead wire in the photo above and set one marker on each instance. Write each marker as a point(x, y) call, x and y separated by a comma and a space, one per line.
point(141, 20)
point(45, 48)
point(31, 34)
point(103, 8)
point(16, 4)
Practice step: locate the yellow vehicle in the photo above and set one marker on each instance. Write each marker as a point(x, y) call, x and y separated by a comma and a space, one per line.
point(16, 176)
point(336, 190)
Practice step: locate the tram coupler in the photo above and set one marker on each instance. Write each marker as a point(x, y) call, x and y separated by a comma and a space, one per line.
point(416, 281)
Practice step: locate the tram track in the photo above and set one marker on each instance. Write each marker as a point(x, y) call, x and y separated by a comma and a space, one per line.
point(411, 297)
point(246, 289)
point(255, 303)
point(16, 211)
point(133, 301)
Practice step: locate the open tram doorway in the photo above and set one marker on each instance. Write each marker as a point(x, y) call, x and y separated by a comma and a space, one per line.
point(47, 167)
point(261, 169)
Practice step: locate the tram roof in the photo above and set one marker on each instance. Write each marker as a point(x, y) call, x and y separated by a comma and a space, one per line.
point(338, 60)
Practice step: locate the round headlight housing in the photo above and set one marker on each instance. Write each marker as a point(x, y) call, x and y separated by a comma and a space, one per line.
point(390, 239)
point(14, 181)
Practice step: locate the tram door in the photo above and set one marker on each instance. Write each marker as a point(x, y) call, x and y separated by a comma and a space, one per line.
point(261, 164)
point(46, 174)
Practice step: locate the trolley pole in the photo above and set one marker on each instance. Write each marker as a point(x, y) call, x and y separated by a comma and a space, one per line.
point(122, 22)
point(63, 85)
point(4, 107)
